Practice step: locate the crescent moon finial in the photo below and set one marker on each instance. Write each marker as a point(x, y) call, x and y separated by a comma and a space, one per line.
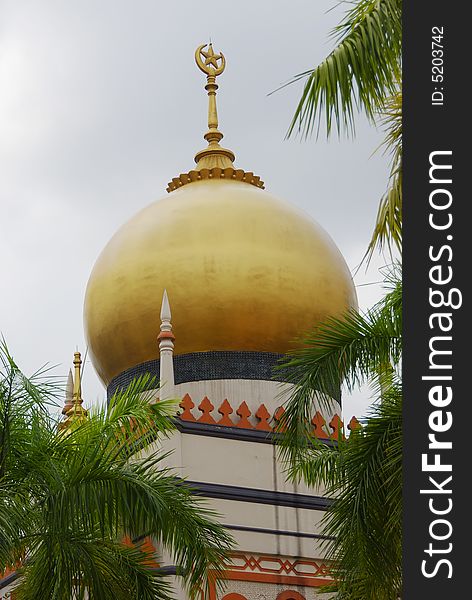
point(211, 63)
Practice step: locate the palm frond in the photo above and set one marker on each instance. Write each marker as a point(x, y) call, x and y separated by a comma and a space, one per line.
point(341, 351)
point(388, 226)
point(360, 72)
point(362, 528)
point(24, 402)
point(130, 422)
point(318, 465)
point(365, 519)
point(138, 498)
point(106, 570)
point(66, 499)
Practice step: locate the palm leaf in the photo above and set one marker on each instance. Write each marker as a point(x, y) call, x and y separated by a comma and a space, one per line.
point(362, 528)
point(388, 226)
point(359, 73)
point(341, 351)
point(67, 498)
point(107, 570)
point(365, 519)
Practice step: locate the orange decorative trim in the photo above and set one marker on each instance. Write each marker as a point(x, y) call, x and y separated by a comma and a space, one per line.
point(147, 547)
point(207, 408)
point(225, 410)
point(354, 424)
point(319, 424)
point(271, 578)
point(278, 415)
point(244, 413)
point(9, 570)
point(274, 569)
point(277, 565)
point(168, 335)
point(187, 404)
point(265, 421)
point(263, 415)
point(337, 426)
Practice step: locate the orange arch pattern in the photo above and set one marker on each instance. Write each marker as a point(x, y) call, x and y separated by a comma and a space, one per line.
point(290, 595)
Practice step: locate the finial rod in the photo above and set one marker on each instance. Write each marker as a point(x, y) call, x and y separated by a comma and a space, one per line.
point(73, 410)
point(213, 162)
point(212, 65)
point(77, 395)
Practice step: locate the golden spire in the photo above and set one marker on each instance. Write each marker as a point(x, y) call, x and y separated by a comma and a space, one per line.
point(213, 162)
point(73, 409)
point(77, 394)
point(214, 156)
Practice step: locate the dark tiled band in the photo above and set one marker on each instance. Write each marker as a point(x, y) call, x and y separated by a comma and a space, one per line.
point(204, 366)
point(272, 497)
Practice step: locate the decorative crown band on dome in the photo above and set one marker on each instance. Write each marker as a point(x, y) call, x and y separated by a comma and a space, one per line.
point(214, 173)
point(213, 162)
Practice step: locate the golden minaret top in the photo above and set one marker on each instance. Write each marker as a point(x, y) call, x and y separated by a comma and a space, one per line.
point(73, 410)
point(213, 162)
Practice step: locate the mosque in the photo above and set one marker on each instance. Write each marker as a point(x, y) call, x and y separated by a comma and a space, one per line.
point(241, 274)
point(235, 276)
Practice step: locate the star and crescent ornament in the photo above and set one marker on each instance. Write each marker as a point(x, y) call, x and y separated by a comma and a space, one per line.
point(208, 61)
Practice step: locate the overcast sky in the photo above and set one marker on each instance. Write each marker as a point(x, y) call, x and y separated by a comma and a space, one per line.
point(101, 104)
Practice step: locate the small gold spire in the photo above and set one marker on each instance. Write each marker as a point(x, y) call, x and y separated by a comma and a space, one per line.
point(73, 409)
point(213, 162)
point(77, 395)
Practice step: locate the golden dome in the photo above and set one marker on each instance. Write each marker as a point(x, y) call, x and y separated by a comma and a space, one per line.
point(244, 270)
